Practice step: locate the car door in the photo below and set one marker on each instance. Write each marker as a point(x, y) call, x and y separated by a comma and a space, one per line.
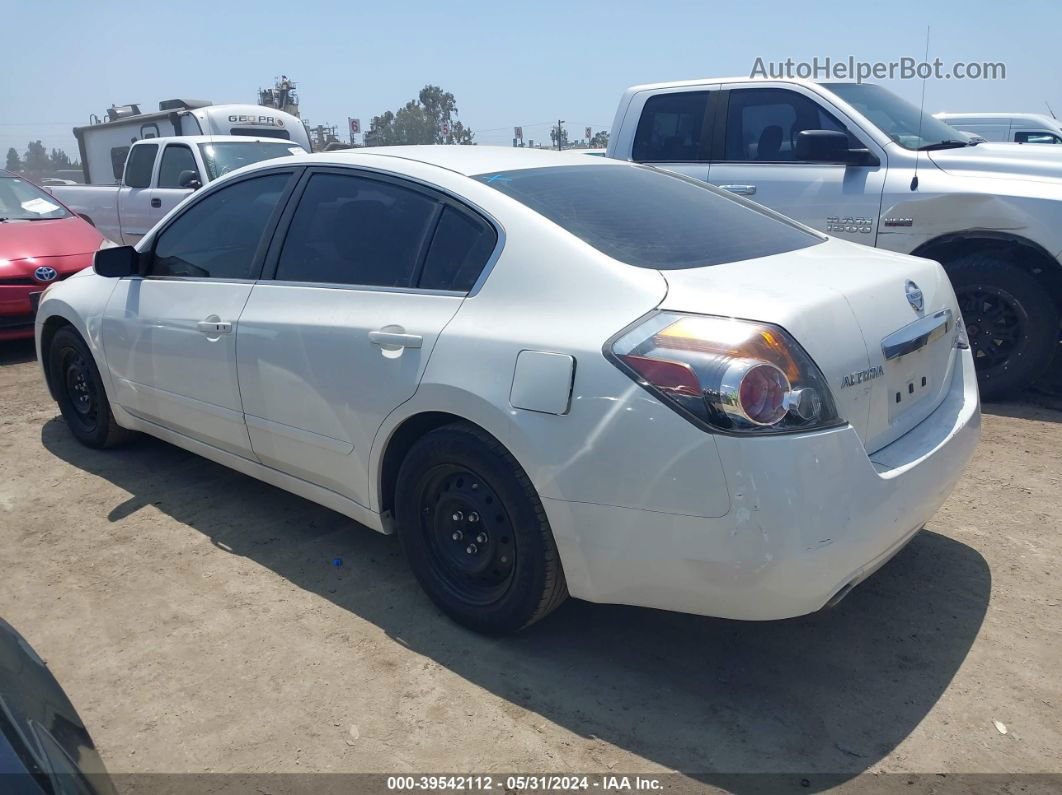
point(170, 335)
point(370, 270)
point(135, 212)
point(755, 157)
point(674, 129)
point(176, 160)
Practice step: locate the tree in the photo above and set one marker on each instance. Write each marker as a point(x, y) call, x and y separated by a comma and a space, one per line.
point(60, 159)
point(36, 158)
point(14, 162)
point(429, 119)
point(600, 140)
point(563, 137)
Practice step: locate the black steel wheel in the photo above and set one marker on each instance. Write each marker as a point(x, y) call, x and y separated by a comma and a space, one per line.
point(474, 531)
point(1012, 322)
point(78, 389)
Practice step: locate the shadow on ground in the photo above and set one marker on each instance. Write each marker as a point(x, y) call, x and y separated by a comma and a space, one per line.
point(830, 693)
point(17, 352)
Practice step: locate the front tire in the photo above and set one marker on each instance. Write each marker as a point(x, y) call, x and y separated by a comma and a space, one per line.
point(474, 532)
point(80, 394)
point(1011, 320)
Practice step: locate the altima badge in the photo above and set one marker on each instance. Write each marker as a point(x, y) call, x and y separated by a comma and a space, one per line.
point(914, 296)
point(863, 375)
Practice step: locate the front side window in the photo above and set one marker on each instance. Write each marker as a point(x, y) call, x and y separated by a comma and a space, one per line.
point(218, 236)
point(220, 159)
point(651, 218)
point(355, 230)
point(670, 129)
point(763, 124)
point(141, 162)
point(175, 160)
point(23, 201)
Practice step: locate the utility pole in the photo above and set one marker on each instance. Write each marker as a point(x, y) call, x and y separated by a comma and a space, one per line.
point(560, 134)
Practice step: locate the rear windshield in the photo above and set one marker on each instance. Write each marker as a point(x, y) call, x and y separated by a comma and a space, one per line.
point(650, 218)
point(221, 158)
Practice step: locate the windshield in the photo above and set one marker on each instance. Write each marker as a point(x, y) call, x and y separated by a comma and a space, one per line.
point(23, 201)
point(221, 158)
point(650, 218)
point(896, 117)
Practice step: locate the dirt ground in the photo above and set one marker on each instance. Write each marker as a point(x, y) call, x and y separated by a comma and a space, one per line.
point(199, 622)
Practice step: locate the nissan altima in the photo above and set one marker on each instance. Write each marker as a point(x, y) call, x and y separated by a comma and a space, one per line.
point(548, 374)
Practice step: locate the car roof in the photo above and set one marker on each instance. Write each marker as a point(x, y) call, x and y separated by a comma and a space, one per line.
point(1040, 117)
point(466, 160)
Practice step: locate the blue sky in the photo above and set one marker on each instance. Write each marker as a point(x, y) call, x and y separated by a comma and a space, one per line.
point(507, 63)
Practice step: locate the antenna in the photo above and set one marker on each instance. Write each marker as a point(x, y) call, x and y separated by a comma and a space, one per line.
point(921, 112)
point(1053, 116)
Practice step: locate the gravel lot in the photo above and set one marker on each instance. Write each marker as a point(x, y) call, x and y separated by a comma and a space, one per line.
point(198, 622)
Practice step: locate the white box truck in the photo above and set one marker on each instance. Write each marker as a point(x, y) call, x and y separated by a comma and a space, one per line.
point(104, 145)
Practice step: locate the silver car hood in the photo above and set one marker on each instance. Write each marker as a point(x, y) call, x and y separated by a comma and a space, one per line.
point(1039, 162)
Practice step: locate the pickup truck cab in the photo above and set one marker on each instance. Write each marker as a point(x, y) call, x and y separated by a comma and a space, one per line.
point(159, 173)
point(859, 163)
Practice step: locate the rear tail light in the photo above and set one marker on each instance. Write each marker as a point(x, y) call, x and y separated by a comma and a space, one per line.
point(731, 375)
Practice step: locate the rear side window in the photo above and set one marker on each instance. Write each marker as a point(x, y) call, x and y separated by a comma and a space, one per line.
point(355, 230)
point(459, 250)
point(651, 218)
point(141, 162)
point(118, 156)
point(175, 159)
point(218, 236)
point(671, 127)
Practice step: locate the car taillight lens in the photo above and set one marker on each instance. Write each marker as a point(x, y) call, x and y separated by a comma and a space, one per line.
point(732, 375)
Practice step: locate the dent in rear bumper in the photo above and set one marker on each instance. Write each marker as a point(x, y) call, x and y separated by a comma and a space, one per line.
point(810, 513)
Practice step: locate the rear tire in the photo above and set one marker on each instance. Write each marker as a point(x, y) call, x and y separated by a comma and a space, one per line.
point(80, 393)
point(474, 532)
point(1011, 320)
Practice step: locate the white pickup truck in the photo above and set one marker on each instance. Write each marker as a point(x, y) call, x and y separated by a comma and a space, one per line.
point(159, 173)
point(860, 163)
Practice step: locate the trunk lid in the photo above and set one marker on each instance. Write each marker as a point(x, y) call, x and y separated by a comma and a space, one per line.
point(887, 362)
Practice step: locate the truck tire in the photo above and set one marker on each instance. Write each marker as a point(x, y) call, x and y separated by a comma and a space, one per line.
point(474, 531)
point(79, 392)
point(1012, 322)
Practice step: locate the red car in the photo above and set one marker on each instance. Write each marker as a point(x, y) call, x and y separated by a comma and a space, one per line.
point(41, 241)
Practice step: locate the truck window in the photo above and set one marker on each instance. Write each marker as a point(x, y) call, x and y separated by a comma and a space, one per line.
point(651, 218)
point(220, 159)
point(175, 159)
point(1037, 137)
point(762, 124)
point(141, 162)
point(118, 156)
point(669, 130)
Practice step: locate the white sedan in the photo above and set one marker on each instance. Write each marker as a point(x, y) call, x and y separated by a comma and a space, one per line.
point(549, 374)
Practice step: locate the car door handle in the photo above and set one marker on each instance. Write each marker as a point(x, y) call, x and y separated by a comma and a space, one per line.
point(395, 339)
point(212, 328)
point(156, 202)
point(740, 190)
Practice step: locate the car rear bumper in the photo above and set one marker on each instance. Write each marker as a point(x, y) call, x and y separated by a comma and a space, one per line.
point(811, 516)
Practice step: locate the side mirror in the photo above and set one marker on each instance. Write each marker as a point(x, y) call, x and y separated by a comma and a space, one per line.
point(189, 179)
point(830, 146)
point(117, 262)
